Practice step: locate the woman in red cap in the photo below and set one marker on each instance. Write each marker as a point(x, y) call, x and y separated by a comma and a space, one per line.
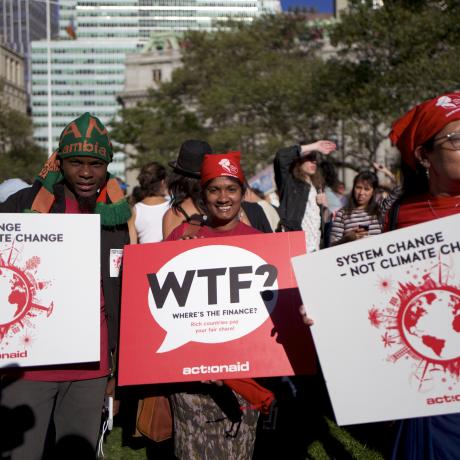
point(428, 137)
point(228, 432)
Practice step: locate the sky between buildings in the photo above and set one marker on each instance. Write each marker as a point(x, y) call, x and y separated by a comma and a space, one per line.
point(321, 6)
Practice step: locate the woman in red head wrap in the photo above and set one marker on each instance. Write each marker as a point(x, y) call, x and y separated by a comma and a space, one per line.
point(208, 420)
point(428, 137)
point(222, 182)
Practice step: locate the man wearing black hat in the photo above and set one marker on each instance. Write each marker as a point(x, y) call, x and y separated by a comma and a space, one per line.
point(74, 180)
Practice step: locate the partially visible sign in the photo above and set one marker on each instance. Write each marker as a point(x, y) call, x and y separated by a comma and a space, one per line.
point(212, 308)
point(49, 289)
point(387, 322)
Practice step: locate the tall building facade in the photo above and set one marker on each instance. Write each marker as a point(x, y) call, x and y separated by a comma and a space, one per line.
point(12, 88)
point(23, 21)
point(95, 36)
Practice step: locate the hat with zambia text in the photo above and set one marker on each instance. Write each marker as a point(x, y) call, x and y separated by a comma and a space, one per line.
point(85, 136)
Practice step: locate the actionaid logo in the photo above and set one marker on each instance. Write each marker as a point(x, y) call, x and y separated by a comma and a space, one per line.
point(446, 102)
point(228, 166)
point(16, 355)
point(216, 369)
point(444, 399)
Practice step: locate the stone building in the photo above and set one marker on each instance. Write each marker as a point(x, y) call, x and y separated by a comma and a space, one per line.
point(12, 85)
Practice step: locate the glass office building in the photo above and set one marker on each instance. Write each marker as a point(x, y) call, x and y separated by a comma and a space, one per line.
point(22, 21)
point(87, 62)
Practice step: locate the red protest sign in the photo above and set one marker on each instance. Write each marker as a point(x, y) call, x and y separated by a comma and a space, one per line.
point(212, 308)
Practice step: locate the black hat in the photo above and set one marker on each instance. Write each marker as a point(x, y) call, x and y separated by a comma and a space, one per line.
point(190, 157)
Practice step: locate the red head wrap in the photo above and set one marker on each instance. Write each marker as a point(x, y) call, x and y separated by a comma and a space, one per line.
point(421, 123)
point(221, 164)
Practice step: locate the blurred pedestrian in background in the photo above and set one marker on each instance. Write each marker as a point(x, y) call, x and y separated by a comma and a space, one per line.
point(363, 215)
point(184, 186)
point(11, 186)
point(151, 203)
point(301, 189)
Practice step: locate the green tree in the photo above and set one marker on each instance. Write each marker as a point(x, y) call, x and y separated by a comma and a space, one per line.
point(248, 87)
point(256, 87)
point(388, 60)
point(20, 156)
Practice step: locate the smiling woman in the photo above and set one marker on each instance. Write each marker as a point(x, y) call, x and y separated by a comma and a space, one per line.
point(222, 181)
point(208, 420)
point(222, 197)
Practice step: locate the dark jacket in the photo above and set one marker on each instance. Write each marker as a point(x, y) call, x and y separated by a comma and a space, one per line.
point(256, 216)
point(111, 238)
point(293, 193)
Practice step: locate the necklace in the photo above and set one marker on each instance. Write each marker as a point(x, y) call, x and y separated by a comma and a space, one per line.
point(434, 213)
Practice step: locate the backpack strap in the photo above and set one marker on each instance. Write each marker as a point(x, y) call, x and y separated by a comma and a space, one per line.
point(193, 226)
point(184, 213)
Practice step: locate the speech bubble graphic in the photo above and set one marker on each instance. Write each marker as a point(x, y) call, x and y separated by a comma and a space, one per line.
point(211, 294)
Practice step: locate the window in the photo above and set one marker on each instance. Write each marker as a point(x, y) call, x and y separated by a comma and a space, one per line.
point(156, 74)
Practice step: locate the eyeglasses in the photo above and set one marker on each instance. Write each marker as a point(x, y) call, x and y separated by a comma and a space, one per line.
point(453, 138)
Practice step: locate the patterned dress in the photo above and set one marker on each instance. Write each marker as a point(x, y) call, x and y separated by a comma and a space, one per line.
point(203, 413)
point(203, 431)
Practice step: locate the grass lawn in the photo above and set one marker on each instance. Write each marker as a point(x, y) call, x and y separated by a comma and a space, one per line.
point(348, 444)
point(304, 430)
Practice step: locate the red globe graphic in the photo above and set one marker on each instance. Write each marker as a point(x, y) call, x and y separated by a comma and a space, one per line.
point(15, 295)
point(431, 324)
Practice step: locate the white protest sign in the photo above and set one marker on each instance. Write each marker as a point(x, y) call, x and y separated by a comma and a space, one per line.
point(387, 321)
point(242, 310)
point(49, 289)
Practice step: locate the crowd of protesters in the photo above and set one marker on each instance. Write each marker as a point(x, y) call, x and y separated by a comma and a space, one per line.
point(206, 195)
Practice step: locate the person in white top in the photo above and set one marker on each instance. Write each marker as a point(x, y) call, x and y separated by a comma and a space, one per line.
point(145, 225)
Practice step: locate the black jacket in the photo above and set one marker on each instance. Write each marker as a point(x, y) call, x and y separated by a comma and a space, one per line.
point(256, 216)
point(111, 238)
point(293, 193)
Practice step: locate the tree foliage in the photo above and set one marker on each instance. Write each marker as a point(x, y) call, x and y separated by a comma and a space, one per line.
point(241, 88)
point(257, 87)
point(20, 156)
point(392, 58)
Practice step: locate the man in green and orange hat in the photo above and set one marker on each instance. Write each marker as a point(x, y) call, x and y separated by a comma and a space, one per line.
point(74, 180)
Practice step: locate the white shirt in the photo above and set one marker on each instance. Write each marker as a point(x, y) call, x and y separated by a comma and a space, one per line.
point(311, 222)
point(149, 221)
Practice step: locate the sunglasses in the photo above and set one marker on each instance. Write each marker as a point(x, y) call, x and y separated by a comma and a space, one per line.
point(310, 157)
point(453, 138)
